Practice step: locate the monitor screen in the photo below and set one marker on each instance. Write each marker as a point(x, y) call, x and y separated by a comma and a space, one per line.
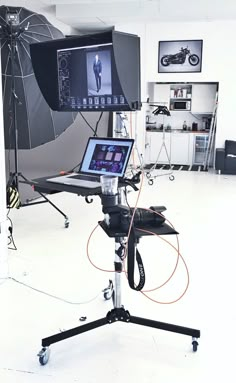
point(106, 156)
point(88, 80)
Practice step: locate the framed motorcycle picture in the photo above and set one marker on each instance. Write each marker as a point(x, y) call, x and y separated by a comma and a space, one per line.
point(180, 56)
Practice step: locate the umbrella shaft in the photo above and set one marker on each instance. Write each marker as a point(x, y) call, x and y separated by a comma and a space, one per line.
point(13, 102)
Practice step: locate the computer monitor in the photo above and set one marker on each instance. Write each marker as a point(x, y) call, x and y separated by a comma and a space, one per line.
point(88, 79)
point(98, 72)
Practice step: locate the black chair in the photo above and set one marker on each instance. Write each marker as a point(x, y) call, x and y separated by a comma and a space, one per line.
point(225, 159)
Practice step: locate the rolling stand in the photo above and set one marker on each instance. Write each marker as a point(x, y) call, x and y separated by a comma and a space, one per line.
point(119, 313)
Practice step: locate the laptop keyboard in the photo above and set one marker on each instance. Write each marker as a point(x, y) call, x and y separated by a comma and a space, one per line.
point(86, 177)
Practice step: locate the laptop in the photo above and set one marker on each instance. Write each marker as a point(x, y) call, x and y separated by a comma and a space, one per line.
point(102, 156)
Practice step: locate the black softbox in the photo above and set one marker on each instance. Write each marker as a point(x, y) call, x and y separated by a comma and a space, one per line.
point(37, 124)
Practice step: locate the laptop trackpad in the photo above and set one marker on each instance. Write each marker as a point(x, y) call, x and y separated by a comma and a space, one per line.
point(82, 183)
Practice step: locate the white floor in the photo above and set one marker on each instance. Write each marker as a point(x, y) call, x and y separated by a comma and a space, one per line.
point(202, 207)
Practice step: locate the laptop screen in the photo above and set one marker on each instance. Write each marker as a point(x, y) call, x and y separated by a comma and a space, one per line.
point(106, 156)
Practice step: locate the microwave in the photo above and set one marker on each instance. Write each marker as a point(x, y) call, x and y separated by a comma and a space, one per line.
point(180, 105)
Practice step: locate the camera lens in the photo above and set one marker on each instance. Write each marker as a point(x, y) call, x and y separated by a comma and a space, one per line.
point(144, 217)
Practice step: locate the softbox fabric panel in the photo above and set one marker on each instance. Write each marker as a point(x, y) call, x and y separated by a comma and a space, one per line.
point(40, 120)
point(36, 123)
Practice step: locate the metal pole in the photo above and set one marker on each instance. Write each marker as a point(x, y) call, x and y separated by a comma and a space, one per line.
point(118, 268)
point(13, 103)
point(118, 260)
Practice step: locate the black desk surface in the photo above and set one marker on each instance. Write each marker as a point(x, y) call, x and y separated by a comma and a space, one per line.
point(43, 186)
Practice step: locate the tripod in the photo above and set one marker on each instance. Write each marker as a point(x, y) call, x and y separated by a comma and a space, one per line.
point(163, 110)
point(12, 32)
point(119, 313)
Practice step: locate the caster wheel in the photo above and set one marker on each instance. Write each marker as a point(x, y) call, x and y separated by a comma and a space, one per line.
point(148, 175)
point(171, 178)
point(44, 355)
point(107, 295)
point(67, 223)
point(195, 345)
point(150, 182)
point(108, 291)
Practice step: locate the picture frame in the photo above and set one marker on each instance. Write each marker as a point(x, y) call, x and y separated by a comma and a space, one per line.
point(180, 56)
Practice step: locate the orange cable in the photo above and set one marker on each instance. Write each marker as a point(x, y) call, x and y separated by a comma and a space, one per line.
point(165, 240)
point(169, 243)
point(87, 250)
point(179, 256)
point(126, 247)
point(131, 135)
point(150, 290)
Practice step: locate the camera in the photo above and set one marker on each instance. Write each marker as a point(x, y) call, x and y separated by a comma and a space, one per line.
point(143, 218)
point(118, 217)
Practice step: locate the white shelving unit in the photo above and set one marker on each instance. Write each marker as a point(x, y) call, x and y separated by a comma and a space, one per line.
point(180, 93)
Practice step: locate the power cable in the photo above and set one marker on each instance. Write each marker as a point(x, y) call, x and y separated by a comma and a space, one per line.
point(94, 133)
point(51, 295)
point(10, 236)
point(90, 126)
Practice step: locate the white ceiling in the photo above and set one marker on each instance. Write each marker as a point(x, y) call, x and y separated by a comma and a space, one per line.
point(92, 15)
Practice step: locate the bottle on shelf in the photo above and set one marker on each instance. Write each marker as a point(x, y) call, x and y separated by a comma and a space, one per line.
point(185, 126)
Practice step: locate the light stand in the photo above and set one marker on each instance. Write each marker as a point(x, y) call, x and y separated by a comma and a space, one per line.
point(12, 18)
point(116, 225)
point(162, 110)
point(12, 32)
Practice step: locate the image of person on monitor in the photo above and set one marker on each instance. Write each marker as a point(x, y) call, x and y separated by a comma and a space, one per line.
point(99, 72)
point(97, 69)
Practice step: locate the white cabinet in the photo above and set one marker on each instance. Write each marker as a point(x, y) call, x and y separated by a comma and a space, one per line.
point(185, 148)
point(203, 98)
point(161, 94)
point(156, 149)
point(180, 148)
point(176, 148)
point(191, 147)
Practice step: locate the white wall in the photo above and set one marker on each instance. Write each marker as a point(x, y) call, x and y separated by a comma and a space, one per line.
point(218, 63)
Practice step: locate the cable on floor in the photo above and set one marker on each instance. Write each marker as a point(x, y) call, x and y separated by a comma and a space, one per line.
point(10, 235)
point(51, 295)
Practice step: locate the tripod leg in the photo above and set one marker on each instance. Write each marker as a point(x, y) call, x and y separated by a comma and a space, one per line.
point(45, 200)
point(55, 207)
point(44, 353)
point(74, 331)
point(168, 327)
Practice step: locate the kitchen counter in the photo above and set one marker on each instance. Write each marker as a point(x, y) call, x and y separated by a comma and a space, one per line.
point(176, 131)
